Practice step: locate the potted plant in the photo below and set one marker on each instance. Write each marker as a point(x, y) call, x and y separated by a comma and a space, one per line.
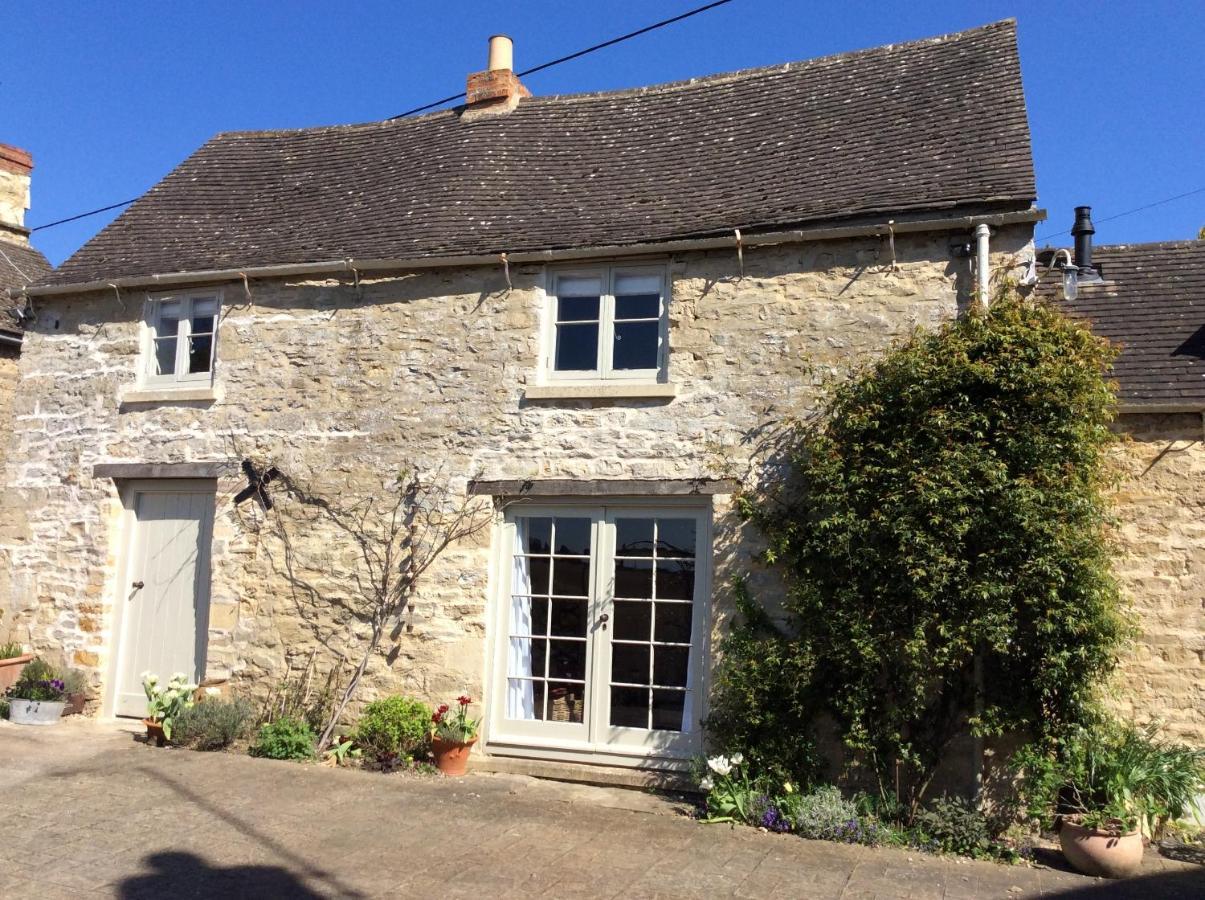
point(13, 659)
point(75, 684)
point(164, 703)
point(1106, 786)
point(453, 736)
point(37, 697)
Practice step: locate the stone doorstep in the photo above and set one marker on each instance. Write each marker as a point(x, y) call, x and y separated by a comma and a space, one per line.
point(583, 773)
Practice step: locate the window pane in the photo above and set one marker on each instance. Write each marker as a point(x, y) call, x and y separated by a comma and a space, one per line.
point(524, 699)
point(577, 348)
point(573, 536)
point(528, 615)
point(577, 309)
point(537, 571)
point(675, 580)
point(165, 356)
point(669, 666)
point(630, 663)
point(167, 319)
point(632, 619)
point(673, 623)
point(637, 284)
point(204, 307)
point(202, 324)
point(571, 577)
point(636, 345)
point(565, 703)
point(630, 707)
point(638, 306)
point(527, 657)
point(569, 618)
point(535, 534)
point(667, 710)
point(567, 659)
point(199, 351)
point(634, 578)
point(675, 538)
point(573, 286)
point(634, 537)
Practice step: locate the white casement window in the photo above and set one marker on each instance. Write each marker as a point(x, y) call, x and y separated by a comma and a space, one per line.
point(181, 334)
point(607, 323)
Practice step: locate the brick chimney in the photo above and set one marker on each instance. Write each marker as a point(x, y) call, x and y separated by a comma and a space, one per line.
point(15, 166)
point(497, 90)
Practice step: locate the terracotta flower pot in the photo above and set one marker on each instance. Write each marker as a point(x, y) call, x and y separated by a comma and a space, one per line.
point(75, 704)
point(451, 758)
point(10, 670)
point(154, 732)
point(1100, 852)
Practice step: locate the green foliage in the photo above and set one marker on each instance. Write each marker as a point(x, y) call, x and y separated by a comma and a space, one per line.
point(164, 703)
point(760, 706)
point(213, 724)
point(955, 825)
point(11, 650)
point(455, 726)
point(74, 681)
point(1110, 775)
point(285, 738)
point(342, 751)
point(38, 681)
point(394, 727)
point(825, 815)
point(947, 508)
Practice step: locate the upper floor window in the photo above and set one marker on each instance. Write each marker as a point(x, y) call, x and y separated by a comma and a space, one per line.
point(608, 323)
point(182, 331)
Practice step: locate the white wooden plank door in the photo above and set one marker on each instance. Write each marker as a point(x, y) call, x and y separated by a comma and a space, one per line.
point(166, 613)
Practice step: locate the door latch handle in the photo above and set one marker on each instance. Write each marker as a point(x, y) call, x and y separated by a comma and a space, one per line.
point(137, 585)
point(603, 620)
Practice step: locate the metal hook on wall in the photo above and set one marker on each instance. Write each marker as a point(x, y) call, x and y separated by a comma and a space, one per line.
point(506, 270)
point(740, 251)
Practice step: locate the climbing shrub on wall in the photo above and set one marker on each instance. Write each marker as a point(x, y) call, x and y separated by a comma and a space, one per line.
point(941, 525)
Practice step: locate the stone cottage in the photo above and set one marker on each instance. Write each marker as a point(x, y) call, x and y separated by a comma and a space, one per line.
point(20, 265)
point(567, 307)
point(1150, 300)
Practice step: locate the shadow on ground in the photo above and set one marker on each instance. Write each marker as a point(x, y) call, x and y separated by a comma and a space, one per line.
point(175, 874)
point(1185, 885)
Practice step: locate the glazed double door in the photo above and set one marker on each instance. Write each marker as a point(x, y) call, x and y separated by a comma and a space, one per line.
point(601, 648)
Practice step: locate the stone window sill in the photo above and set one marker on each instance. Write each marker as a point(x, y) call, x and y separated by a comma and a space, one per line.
point(600, 391)
point(168, 395)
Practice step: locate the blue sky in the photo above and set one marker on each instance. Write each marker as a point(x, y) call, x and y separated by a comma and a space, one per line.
point(109, 97)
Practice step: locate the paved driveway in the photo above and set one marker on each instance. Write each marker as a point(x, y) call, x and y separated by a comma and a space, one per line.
point(87, 811)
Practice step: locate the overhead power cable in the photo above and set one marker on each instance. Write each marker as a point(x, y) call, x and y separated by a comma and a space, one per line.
point(556, 62)
point(82, 215)
point(1129, 212)
point(418, 109)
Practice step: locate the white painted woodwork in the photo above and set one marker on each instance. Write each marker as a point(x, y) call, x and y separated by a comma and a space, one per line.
point(164, 622)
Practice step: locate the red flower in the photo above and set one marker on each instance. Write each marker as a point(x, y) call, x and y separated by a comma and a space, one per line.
point(438, 716)
point(464, 699)
point(443, 708)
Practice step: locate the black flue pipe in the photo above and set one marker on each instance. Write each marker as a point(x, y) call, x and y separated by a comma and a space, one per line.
point(1082, 231)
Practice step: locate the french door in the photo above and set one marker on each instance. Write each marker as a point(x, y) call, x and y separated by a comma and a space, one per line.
point(601, 639)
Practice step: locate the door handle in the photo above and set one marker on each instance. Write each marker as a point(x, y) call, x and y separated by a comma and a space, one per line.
point(603, 620)
point(137, 585)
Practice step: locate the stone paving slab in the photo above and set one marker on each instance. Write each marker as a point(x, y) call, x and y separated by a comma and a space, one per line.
point(90, 812)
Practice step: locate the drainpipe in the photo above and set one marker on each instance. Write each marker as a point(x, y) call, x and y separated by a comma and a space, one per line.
point(982, 269)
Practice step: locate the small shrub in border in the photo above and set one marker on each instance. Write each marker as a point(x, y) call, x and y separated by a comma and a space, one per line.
point(214, 724)
point(393, 728)
point(284, 739)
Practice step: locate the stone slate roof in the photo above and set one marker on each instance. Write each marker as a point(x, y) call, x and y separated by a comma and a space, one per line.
point(19, 265)
point(1152, 303)
point(938, 124)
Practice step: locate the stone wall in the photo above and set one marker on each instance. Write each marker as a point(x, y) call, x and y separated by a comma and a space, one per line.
point(1161, 561)
point(340, 386)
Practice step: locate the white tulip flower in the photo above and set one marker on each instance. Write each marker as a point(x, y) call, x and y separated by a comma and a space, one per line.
point(738, 758)
point(706, 783)
point(720, 765)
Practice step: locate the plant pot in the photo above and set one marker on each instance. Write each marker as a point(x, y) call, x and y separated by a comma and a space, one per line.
point(35, 712)
point(154, 733)
point(10, 670)
point(451, 758)
point(1100, 852)
point(75, 704)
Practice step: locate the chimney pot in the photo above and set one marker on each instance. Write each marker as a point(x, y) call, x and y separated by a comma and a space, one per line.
point(1082, 231)
point(502, 53)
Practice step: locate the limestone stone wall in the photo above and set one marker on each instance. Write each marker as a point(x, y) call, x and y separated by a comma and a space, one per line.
point(341, 386)
point(1160, 505)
